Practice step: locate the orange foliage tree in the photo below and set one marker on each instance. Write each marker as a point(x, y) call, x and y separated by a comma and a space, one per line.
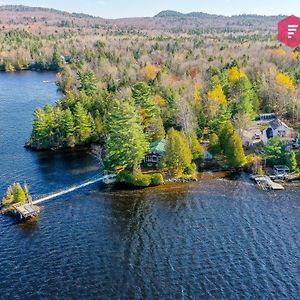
point(159, 101)
point(150, 72)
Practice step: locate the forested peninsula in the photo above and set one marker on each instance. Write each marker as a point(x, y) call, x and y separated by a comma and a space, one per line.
point(163, 100)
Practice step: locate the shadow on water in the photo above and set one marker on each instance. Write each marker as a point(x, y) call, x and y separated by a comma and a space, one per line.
point(28, 227)
point(69, 162)
point(133, 207)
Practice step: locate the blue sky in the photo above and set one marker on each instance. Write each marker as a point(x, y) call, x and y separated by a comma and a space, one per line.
point(133, 8)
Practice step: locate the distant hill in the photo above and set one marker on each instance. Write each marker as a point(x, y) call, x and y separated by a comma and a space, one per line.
point(176, 14)
point(23, 8)
point(15, 15)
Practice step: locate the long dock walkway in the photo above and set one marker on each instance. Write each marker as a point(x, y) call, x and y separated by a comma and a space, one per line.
point(68, 190)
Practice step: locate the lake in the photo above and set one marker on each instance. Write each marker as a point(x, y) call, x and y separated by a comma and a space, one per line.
point(218, 238)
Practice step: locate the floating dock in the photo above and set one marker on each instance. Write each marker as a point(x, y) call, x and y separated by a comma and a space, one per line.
point(26, 211)
point(265, 183)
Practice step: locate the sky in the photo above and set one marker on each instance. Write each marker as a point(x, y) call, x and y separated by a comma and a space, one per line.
point(140, 8)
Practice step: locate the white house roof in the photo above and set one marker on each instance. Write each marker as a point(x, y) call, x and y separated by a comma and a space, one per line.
point(277, 123)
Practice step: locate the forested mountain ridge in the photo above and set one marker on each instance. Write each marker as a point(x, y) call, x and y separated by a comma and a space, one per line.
point(176, 14)
point(166, 20)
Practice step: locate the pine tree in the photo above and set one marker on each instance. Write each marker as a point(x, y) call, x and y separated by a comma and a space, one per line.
point(126, 144)
point(178, 154)
point(82, 122)
point(88, 82)
point(19, 194)
point(291, 161)
point(56, 61)
point(234, 151)
point(99, 126)
point(68, 127)
point(214, 144)
point(231, 145)
point(40, 131)
point(274, 152)
point(141, 94)
point(226, 131)
point(51, 124)
point(155, 130)
point(242, 93)
point(195, 146)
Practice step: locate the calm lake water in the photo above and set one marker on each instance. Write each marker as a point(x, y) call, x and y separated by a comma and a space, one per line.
point(214, 239)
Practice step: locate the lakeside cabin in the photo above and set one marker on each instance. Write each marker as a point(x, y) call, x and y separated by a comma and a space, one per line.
point(157, 151)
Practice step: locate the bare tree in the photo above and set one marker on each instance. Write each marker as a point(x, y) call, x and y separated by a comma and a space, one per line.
point(97, 152)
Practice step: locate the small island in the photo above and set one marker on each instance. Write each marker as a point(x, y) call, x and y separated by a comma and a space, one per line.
point(18, 202)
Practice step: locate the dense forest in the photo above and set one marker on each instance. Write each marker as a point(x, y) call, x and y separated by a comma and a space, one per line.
point(126, 88)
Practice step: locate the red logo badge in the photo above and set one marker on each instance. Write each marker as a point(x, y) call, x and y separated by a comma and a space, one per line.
point(289, 31)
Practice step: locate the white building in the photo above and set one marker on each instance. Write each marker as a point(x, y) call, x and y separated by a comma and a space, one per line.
point(277, 128)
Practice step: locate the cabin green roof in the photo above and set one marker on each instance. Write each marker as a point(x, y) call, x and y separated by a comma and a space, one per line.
point(158, 147)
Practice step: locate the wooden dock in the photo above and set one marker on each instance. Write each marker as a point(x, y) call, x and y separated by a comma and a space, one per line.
point(26, 211)
point(265, 183)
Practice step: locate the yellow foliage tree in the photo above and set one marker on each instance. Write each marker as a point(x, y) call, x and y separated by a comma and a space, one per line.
point(159, 101)
point(150, 71)
point(295, 54)
point(197, 93)
point(235, 74)
point(279, 52)
point(284, 80)
point(218, 95)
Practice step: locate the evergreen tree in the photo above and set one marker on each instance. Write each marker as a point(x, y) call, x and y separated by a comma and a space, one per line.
point(234, 151)
point(291, 160)
point(155, 130)
point(126, 144)
point(19, 194)
point(225, 133)
point(178, 153)
point(276, 154)
point(242, 93)
point(51, 124)
point(195, 146)
point(56, 61)
point(83, 129)
point(68, 127)
point(39, 136)
point(214, 144)
point(99, 126)
point(231, 145)
point(141, 94)
point(88, 82)
point(274, 151)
